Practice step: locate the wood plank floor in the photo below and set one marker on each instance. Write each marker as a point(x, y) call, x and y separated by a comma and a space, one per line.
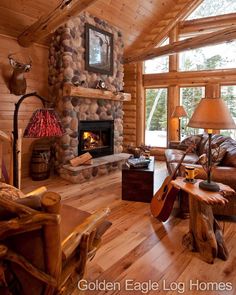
point(138, 247)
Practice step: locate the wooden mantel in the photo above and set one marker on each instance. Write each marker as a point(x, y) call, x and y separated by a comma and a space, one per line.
point(70, 90)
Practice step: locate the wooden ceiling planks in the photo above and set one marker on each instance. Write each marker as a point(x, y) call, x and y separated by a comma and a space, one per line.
point(161, 29)
point(141, 17)
point(131, 17)
point(134, 18)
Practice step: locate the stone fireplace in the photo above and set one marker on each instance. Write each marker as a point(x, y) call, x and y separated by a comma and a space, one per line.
point(96, 137)
point(67, 68)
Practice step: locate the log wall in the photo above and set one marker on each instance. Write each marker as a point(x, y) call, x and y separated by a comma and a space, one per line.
point(130, 107)
point(36, 81)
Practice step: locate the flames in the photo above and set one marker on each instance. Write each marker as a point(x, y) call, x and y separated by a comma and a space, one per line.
point(90, 136)
point(91, 140)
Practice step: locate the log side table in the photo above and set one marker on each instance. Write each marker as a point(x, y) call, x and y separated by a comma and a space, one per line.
point(205, 234)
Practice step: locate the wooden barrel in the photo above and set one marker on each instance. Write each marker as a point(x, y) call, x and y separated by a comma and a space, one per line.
point(40, 163)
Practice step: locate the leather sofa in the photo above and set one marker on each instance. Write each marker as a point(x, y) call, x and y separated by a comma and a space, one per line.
point(224, 170)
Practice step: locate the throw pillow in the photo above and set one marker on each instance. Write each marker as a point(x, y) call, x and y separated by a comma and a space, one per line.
point(193, 139)
point(217, 155)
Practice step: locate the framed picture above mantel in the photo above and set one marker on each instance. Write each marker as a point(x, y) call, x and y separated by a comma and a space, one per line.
point(98, 50)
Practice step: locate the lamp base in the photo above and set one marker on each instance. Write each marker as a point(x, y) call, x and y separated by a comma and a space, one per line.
point(209, 186)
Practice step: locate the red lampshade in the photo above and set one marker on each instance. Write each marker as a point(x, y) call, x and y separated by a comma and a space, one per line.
point(44, 123)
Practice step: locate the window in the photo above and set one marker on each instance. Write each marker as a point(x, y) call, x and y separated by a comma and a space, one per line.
point(221, 56)
point(189, 98)
point(228, 93)
point(212, 8)
point(156, 117)
point(158, 64)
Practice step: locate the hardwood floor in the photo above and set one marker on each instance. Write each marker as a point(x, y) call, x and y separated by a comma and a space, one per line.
point(140, 248)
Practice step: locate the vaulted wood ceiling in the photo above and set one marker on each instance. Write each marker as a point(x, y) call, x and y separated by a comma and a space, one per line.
point(141, 21)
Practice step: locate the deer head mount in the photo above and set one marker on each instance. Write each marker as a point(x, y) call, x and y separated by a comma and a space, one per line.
point(17, 83)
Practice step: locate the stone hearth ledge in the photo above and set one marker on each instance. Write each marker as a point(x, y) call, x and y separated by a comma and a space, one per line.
point(101, 166)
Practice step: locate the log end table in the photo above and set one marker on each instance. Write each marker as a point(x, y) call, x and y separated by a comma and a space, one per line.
point(205, 234)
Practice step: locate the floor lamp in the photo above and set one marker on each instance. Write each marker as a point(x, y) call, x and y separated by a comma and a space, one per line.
point(179, 112)
point(211, 114)
point(43, 123)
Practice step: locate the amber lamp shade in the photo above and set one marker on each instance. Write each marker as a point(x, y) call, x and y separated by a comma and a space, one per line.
point(179, 112)
point(211, 114)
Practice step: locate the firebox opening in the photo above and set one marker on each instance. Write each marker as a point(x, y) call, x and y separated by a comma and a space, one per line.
point(96, 137)
point(94, 140)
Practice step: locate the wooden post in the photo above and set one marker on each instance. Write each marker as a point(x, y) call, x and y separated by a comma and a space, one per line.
point(51, 204)
point(212, 90)
point(140, 111)
point(173, 123)
point(173, 93)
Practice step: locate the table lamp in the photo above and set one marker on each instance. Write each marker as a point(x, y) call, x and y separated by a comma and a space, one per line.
point(179, 112)
point(43, 123)
point(211, 113)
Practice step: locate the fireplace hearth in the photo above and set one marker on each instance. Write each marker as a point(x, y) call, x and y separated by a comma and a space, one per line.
point(96, 137)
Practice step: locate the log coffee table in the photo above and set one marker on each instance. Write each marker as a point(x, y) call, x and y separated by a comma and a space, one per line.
point(205, 234)
point(137, 183)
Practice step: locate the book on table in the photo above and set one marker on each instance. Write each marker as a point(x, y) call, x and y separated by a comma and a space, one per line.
point(137, 162)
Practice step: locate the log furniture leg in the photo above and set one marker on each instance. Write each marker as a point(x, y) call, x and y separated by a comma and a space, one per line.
point(205, 234)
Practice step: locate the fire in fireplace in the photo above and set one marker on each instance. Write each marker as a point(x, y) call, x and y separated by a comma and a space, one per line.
point(96, 137)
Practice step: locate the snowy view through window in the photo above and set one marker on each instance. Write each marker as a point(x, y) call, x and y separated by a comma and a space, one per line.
point(221, 56)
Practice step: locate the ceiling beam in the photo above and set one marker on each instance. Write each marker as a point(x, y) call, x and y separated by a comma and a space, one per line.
point(48, 23)
point(217, 37)
point(158, 33)
point(190, 78)
point(207, 23)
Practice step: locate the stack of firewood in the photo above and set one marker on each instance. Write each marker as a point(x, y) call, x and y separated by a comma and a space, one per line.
point(85, 159)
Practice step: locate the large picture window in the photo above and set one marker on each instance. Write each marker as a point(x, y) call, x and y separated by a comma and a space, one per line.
point(221, 56)
point(156, 117)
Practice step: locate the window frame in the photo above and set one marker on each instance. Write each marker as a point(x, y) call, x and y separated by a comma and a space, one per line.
point(167, 92)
